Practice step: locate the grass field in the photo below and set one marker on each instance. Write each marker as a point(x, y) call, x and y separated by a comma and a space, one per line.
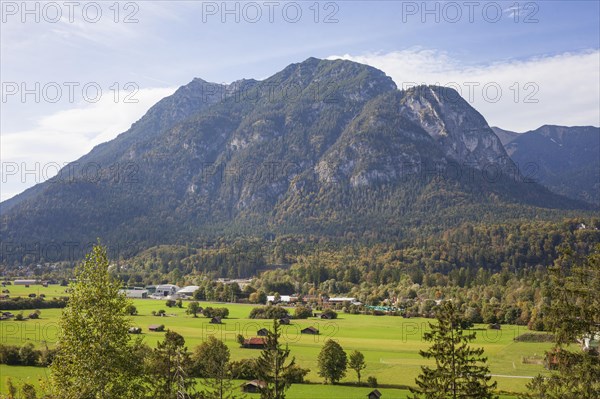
point(390, 344)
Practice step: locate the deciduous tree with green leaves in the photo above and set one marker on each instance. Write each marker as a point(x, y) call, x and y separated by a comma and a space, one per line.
point(193, 308)
point(357, 363)
point(211, 361)
point(460, 371)
point(94, 351)
point(332, 362)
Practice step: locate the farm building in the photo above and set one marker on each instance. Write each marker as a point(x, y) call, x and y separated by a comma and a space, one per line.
point(135, 330)
point(374, 394)
point(351, 300)
point(254, 343)
point(215, 320)
point(156, 327)
point(309, 330)
point(282, 298)
point(165, 290)
point(151, 289)
point(326, 316)
point(24, 282)
point(262, 332)
point(188, 291)
point(135, 293)
point(285, 321)
point(253, 386)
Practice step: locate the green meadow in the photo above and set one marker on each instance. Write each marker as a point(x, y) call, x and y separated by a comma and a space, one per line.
point(390, 344)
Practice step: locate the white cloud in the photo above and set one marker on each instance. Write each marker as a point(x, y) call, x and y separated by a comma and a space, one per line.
point(560, 89)
point(29, 157)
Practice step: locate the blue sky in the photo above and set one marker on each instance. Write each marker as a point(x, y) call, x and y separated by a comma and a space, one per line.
point(544, 52)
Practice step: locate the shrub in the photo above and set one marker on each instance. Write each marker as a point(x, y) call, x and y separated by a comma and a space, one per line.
point(372, 382)
point(9, 354)
point(131, 310)
point(302, 312)
point(244, 369)
point(215, 312)
point(19, 303)
point(268, 312)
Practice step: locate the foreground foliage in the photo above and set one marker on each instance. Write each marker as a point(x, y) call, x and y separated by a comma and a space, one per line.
point(574, 316)
point(93, 358)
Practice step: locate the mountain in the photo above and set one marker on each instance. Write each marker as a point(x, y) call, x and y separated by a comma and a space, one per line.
point(505, 136)
point(322, 147)
point(564, 159)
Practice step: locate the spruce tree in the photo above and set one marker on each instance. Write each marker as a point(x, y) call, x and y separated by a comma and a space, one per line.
point(271, 365)
point(460, 371)
point(573, 316)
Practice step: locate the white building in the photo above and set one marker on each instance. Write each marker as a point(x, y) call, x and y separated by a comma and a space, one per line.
point(135, 293)
point(188, 291)
point(351, 300)
point(24, 282)
point(165, 290)
point(282, 298)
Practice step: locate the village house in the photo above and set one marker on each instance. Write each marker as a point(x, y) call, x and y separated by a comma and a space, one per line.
point(253, 386)
point(188, 291)
point(263, 332)
point(166, 290)
point(25, 282)
point(282, 299)
point(254, 343)
point(309, 330)
point(135, 293)
point(374, 394)
point(156, 327)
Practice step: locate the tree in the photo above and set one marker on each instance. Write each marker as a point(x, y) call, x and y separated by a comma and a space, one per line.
point(271, 365)
point(302, 312)
point(193, 308)
point(211, 361)
point(12, 389)
point(332, 362)
point(357, 363)
point(167, 367)
point(130, 309)
point(460, 370)
point(93, 358)
point(573, 314)
point(28, 391)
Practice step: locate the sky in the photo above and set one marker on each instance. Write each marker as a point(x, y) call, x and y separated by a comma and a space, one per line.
point(76, 74)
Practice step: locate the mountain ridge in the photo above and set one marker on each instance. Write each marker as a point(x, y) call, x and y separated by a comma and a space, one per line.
point(321, 147)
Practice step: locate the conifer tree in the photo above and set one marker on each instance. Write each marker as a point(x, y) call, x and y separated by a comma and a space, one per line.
point(460, 371)
point(271, 365)
point(573, 316)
